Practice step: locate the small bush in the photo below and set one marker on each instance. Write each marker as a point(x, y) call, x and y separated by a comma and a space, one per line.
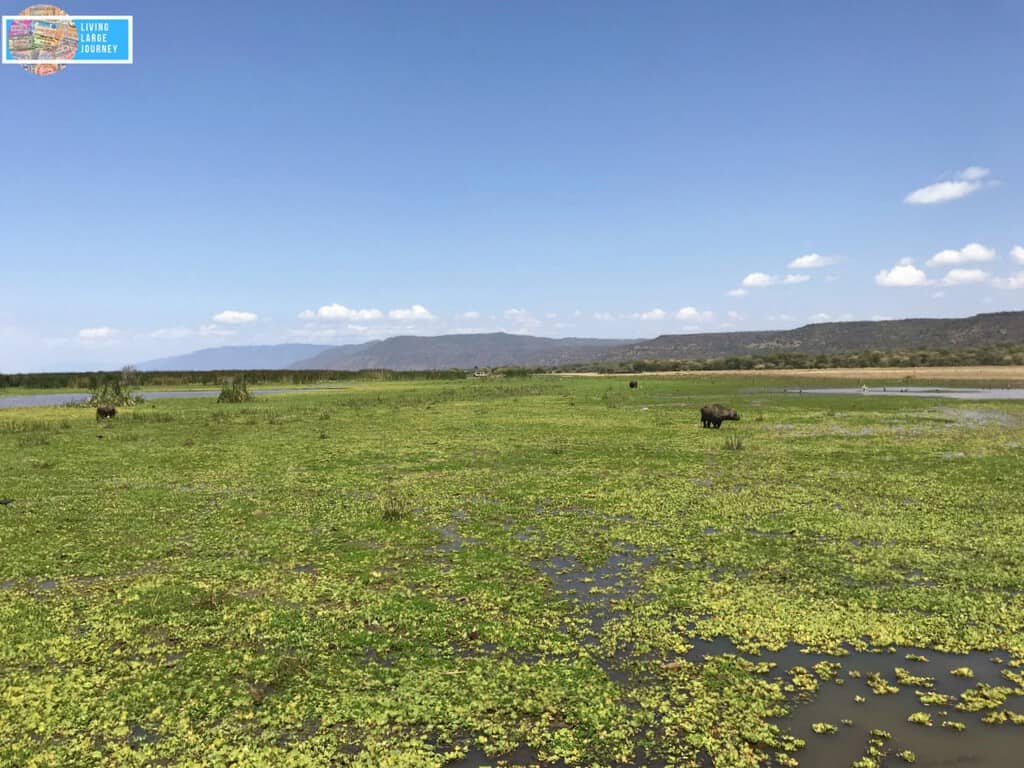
point(235, 391)
point(733, 443)
point(393, 505)
point(112, 392)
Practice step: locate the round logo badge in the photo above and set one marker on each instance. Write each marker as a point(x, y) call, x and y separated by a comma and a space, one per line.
point(29, 40)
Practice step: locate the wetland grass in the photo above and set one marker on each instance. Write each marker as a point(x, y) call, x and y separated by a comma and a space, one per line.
point(549, 571)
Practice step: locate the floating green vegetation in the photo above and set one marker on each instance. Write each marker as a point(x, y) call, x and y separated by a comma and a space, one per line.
point(903, 677)
point(962, 672)
point(983, 696)
point(823, 728)
point(827, 670)
point(392, 574)
point(954, 725)
point(920, 718)
point(932, 698)
point(907, 756)
point(880, 686)
point(802, 680)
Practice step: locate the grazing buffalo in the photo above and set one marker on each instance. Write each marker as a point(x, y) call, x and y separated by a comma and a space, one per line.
point(634, 384)
point(714, 415)
point(106, 412)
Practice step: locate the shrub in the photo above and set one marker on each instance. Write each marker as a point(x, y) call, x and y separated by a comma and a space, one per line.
point(112, 392)
point(393, 505)
point(733, 443)
point(235, 391)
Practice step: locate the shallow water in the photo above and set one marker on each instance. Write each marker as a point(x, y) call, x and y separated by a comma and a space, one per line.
point(956, 393)
point(64, 398)
point(982, 745)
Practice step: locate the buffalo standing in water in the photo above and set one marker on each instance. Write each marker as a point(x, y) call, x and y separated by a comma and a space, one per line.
point(106, 412)
point(714, 415)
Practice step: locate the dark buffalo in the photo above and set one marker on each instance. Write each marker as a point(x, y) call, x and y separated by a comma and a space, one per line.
point(106, 412)
point(634, 384)
point(714, 415)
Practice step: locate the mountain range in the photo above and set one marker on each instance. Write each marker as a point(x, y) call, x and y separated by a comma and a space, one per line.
point(486, 350)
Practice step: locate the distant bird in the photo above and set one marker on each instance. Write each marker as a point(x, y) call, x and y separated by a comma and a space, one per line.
point(6, 502)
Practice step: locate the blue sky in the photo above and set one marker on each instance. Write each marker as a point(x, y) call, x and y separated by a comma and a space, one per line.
point(571, 169)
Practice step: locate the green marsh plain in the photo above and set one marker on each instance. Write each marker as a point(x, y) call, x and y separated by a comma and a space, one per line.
point(544, 570)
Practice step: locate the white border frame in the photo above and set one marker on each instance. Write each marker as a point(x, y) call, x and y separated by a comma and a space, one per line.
point(30, 62)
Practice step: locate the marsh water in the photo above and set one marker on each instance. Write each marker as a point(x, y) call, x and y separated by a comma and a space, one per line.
point(847, 699)
point(849, 703)
point(67, 398)
point(957, 393)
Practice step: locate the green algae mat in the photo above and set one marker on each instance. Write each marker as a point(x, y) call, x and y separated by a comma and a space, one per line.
point(536, 571)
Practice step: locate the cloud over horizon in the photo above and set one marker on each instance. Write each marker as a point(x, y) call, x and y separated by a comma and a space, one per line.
point(234, 317)
point(903, 275)
point(763, 280)
point(415, 312)
point(965, 277)
point(966, 182)
point(972, 252)
point(812, 261)
point(102, 333)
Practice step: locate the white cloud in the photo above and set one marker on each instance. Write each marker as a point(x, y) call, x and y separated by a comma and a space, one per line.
point(695, 315)
point(972, 252)
point(974, 173)
point(415, 312)
point(820, 317)
point(603, 316)
point(307, 314)
point(551, 316)
point(812, 261)
point(215, 330)
point(738, 292)
point(968, 181)
point(880, 318)
point(471, 315)
point(1017, 252)
point(938, 294)
point(1012, 283)
point(762, 280)
point(171, 333)
point(903, 275)
point(341, 312)
point(233, 317)
point(758, 280)
point(518, 315)
point(964, 277)
point(96, 334)
point(654, 314)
